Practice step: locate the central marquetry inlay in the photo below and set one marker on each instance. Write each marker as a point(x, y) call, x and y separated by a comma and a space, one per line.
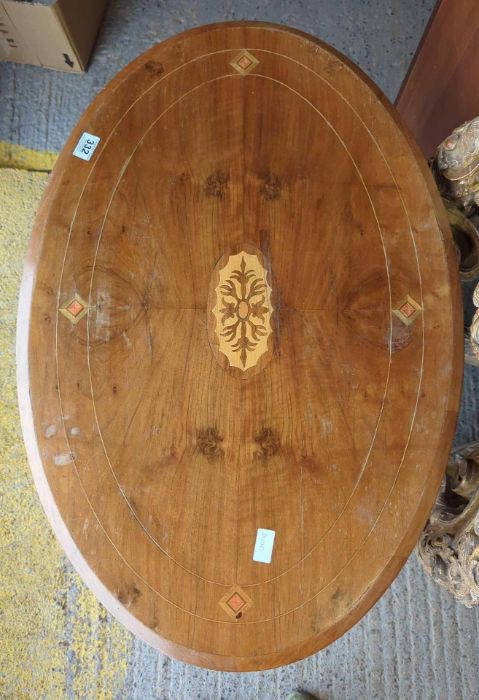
point(240, 302)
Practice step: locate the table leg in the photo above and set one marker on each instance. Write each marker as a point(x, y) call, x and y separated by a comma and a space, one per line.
point(455, 167)
point(449, 544)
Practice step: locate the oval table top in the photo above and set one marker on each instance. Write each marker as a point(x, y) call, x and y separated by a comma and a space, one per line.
point(239, 346)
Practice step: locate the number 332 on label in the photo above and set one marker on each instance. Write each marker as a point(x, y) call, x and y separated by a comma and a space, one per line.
point(86, 146)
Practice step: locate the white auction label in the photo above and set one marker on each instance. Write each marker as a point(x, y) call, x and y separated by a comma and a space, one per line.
point(263, 549)
point(86, 146)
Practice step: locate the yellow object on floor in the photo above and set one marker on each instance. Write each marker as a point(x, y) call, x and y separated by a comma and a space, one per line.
point(56, 640)
point(14, 156)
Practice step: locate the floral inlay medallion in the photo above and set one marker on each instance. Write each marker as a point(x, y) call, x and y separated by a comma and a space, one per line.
point(242, 310)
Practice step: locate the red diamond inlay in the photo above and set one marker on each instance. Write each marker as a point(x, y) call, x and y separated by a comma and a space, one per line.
point(244, 62)
point(407, 310)
point(75, 308)
point(236, 602)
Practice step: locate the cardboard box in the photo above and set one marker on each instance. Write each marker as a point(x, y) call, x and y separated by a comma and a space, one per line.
point(58, 35)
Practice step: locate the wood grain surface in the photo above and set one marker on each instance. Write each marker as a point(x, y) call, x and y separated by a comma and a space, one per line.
point(439, 92)
point(241, 313)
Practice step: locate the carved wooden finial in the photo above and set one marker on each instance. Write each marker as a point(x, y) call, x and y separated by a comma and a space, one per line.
point(449, 545)
point(456, 170)
point(457, 159)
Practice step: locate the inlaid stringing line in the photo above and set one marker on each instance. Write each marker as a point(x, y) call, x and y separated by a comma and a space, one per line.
point(363, 468)
point(170, 74)
point(406, 212)
point(70, 230)
point(417, 265)
point(341, 96)
point(121, 174)
point(101, 231)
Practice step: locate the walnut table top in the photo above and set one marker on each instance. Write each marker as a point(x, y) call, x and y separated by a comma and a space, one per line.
point(239, 346)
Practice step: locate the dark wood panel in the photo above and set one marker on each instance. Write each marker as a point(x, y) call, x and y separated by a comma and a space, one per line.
point(440, 90)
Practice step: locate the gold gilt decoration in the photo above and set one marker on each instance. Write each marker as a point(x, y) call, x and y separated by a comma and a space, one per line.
point(242, 310)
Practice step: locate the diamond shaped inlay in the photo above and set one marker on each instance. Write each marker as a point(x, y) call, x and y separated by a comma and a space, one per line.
point(407, 310)
point(235, 603)
point(244, 62)
point(75, 309)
